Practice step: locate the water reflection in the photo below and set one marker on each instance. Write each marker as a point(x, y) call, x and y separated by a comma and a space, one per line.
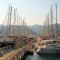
point(43, 57)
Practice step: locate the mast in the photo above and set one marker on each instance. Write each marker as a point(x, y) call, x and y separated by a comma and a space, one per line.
point(56, 22)
point(14, 21)
point(9, 19)
point(48, 24)
point(44, 29)
point(19, 26)
point(8, 22)
point(51, 23)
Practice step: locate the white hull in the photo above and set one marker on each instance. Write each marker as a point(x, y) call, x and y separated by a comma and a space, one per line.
point(49, 46)
point(48, 50)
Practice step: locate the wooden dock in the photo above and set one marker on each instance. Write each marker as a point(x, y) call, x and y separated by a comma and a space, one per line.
point(17, 53)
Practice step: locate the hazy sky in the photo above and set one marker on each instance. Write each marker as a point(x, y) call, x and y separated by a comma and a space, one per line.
point(34, 11)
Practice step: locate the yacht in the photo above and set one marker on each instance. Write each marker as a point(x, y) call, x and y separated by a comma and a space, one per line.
point(49, 46)
point(53, 44)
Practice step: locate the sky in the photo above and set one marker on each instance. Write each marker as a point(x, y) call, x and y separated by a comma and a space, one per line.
point(34, 11)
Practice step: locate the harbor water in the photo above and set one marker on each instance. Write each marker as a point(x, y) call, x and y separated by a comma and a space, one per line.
point(35, 56)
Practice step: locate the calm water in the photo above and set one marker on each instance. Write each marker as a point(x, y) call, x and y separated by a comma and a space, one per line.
point(44, 57)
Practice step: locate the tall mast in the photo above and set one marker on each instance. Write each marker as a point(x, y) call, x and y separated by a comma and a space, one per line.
point(44, 29)
point(51, 23)
point(48, 24)
point(10, 17)
point(56, 23)
point(19, 25)
point(9, 20)
point(14, 21)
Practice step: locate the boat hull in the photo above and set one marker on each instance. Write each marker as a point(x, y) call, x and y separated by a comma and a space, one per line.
point(49, 51)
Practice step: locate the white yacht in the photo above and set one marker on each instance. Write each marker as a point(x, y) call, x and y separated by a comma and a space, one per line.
point(49, 46)
point(52, 45)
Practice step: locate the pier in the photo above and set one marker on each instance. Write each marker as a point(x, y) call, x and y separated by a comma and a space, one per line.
point(14, 38)
point(17, 53)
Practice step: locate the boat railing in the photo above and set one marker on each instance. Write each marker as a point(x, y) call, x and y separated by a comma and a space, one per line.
point(5, 50)
point(18, 53)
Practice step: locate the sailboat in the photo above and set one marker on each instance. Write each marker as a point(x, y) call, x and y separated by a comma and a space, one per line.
point(51, 45)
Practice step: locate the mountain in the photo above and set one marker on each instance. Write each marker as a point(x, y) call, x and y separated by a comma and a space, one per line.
point(37, 28)
point(40, 28)
point(26, 30)
point(17, 30)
